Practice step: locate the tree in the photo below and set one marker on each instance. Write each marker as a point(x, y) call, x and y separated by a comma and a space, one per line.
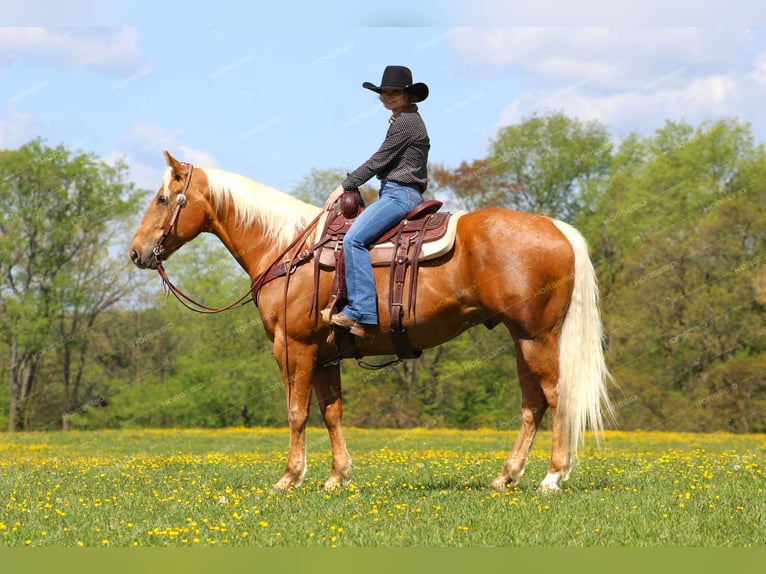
point(474, 185)
point(54, 238)
point(683, 225)
point(553, 164)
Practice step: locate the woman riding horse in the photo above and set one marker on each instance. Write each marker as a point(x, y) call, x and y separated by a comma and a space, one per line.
point(400, 163)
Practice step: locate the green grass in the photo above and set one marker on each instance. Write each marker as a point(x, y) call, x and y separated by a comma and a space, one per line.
point(410, 488)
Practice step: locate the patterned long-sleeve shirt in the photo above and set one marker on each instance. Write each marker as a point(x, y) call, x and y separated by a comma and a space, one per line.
point(402, 157)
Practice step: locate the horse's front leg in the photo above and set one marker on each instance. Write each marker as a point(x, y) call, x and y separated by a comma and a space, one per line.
point(297, 380)
point(328, 388)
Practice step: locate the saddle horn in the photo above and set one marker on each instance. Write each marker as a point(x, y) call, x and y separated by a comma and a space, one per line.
point(351, 203)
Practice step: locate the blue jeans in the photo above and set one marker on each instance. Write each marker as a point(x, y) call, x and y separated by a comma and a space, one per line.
point(395, 201)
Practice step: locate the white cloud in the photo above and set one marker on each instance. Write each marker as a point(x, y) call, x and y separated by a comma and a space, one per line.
point(144, 176)
point(644, 110)
point(151, 139)
point(143, 146)
point(587, 12)
point(630, 79)
point(115, 50)
point(601, 58)
point(195, 156)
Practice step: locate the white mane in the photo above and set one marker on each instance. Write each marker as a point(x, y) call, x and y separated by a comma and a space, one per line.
point(280, 215)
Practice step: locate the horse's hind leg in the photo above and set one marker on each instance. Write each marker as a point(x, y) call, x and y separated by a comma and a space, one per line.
point(542, 359)
point(328, 390)
point(533, 406)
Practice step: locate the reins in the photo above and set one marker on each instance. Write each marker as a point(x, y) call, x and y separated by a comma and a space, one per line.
point(256, 284)
point(193, 305)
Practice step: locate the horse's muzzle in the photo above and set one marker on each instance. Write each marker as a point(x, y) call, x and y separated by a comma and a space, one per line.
point(149, 262)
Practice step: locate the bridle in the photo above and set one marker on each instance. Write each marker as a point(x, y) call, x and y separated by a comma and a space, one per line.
point(159, 249)
point(159, 252)
point(289, 262)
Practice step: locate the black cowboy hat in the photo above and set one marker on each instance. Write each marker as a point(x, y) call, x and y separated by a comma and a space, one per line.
point(399, 78)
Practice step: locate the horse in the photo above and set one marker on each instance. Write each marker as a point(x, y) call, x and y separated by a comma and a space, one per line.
point(530, 273)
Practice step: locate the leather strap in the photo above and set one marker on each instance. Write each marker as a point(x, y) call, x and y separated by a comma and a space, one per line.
point(399, 338)
point(415, 262)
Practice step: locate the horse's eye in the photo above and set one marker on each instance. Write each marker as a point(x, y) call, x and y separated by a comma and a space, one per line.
point(162, 199)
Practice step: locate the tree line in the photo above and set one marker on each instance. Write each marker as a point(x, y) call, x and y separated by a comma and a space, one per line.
point(675, 222)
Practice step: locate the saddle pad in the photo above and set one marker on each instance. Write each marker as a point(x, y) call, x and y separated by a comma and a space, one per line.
point(382, 254)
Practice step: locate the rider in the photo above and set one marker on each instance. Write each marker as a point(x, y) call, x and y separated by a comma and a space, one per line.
point(400, 164)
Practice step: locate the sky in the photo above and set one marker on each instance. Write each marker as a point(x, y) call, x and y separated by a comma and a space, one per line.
point(273, 90)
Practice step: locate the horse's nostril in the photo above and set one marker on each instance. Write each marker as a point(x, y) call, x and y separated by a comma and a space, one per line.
point(134, 256)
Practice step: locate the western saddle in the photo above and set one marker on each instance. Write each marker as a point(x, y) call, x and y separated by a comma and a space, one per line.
point(401, 248)
point(422, 235)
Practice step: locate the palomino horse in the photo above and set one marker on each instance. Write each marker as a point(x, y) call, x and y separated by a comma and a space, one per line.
point(530, 273)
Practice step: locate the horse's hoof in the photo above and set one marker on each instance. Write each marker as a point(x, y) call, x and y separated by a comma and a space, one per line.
point(499, 484)
point(550, 483)
point(334, 483)
point(284, 483)
point(548, 488)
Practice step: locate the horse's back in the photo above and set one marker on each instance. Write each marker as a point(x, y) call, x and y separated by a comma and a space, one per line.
point(530, 240)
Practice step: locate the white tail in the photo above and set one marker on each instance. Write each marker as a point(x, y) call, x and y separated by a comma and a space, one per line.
point(583, 399)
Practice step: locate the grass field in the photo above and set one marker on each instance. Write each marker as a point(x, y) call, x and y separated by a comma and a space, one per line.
point(410, 488)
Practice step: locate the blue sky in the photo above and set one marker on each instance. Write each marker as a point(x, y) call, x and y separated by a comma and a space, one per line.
point(272, 91)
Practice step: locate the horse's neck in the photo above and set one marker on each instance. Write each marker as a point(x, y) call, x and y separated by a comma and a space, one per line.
point(253, 221)
point(253, 249)
point(250, 246)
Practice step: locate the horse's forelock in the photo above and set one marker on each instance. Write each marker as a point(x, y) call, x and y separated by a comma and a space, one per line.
point(167, 176)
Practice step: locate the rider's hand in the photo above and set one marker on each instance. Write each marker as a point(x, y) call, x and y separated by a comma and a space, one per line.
point(333, 197)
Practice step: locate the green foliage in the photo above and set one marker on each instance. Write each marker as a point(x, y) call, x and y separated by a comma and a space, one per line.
point(60, 210)
point(553, 163)
point(470, 382)
point(681, 226)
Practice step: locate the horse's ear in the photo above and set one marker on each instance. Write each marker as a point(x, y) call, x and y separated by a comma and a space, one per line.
point(176, 166)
